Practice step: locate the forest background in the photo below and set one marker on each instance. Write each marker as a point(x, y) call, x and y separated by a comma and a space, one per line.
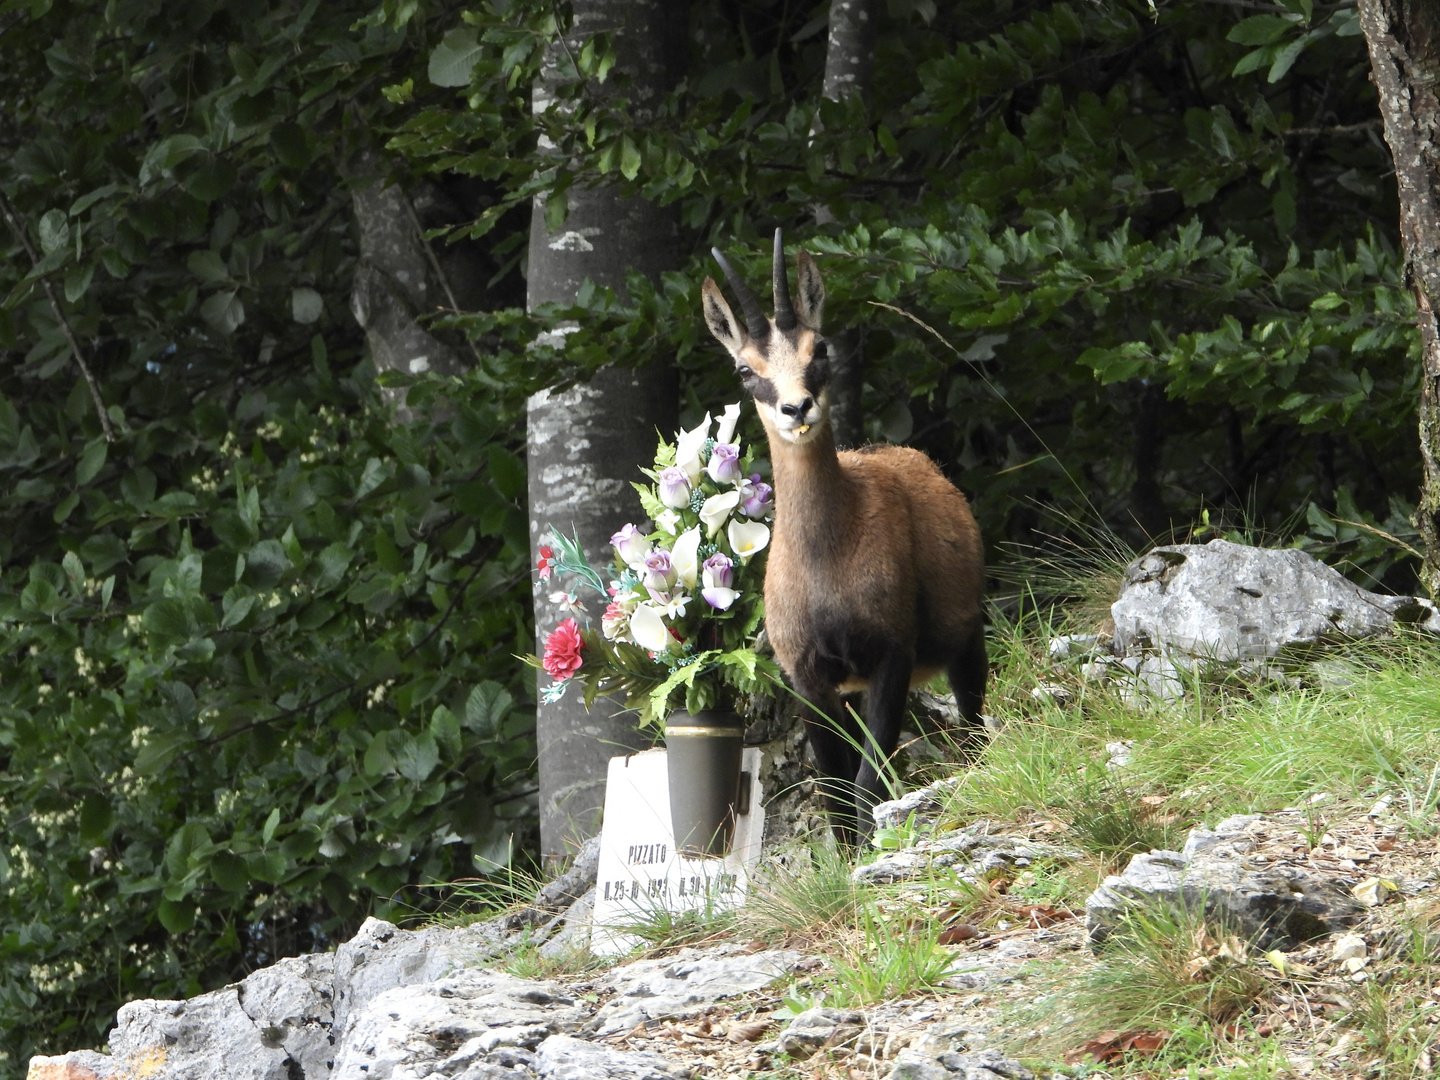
point(264, 577)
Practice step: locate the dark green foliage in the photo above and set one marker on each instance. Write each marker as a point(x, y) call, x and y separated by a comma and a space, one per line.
point(257, 654)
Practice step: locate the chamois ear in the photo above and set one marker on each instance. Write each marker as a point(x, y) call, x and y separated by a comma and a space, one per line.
point(720, 319)
point(810, 292)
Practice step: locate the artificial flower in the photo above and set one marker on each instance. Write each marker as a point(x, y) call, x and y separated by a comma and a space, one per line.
point(724, 464)
point(648, 629)
point(717, 509)
point(719, 571)
point(630, 544)
point(720, 598)
point(685, 556)
point(615, 621)
point(725, 431)
point(545, 564)
point(562, 651)
point(756, 498)
point(567, 601)
point(667, 521)
point(659, 573)
point(688, 445)
point(674, 487)
point(748, 538)
point(672, 605)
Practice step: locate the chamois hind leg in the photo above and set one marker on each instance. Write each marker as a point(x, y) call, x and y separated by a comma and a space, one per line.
point(967, 673)
point(827, 726)
point(884, 712)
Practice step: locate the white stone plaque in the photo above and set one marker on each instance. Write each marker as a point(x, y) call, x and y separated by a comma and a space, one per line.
point(640, 870)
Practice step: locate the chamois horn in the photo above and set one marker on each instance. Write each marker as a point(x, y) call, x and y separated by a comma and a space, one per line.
point(755, 321)
point(784, 313)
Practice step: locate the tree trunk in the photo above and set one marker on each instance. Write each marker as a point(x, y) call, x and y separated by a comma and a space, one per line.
point(847, 73)
point(397, 280)
point(1404, 41)
point(585, 444)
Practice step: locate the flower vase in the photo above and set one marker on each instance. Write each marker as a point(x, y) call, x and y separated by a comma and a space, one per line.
point(704, 773)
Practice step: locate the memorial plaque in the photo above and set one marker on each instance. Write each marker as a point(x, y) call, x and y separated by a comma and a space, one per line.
point(640, 871)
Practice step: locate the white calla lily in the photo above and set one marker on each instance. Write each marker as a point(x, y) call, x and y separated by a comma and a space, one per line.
point(718, 508)
point(688, 445)
point(728, 419)
point(648, 629)
point(748, 538)
point(685, 556)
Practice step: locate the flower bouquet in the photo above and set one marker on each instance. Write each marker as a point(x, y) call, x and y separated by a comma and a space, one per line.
point(683, 603)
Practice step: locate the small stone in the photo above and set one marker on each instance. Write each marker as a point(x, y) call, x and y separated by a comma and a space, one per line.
point(1073, 646)
point(1349, 947)
point(1052, 692)
point(1120, 753)
point(1356, 963)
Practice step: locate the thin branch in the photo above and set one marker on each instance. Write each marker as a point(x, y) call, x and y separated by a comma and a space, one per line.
point(18, 227)
point(440, 274)
point(1336, 129)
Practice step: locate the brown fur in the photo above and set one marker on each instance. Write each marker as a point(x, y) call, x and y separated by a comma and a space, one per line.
point(876, 569)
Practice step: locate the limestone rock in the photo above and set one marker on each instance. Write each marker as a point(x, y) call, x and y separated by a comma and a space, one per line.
point(449, 1025)
point(290, 1003)
point(563, 1058)
point(204, 1038)
point(1277, 905)
point(683, 984)
point(381, 957)
point(76, 1065)
point(979, 1065)
point(972, 852)
point(1227, 601)
point(817, 1028)
point(925, 803)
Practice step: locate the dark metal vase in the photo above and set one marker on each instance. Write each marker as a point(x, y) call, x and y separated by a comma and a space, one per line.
point(704, 767)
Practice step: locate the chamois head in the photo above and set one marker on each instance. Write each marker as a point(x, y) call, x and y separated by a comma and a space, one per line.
point(781, 361)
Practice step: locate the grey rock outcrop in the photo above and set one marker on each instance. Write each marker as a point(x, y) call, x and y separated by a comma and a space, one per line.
point(563, 1058)
point(1227, 601)
point(817, 1028)
point(450, 1025)
point(971, 852)
point(1276, 906)
point(680, 985)
point(980, 1065)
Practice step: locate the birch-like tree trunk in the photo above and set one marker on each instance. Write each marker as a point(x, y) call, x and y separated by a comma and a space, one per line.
point(1404, 41)
point(585, 444)
point(847, 74)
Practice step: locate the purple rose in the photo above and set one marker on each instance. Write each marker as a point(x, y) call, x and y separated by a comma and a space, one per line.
point(718, 571)
point(756, 498)
point(659, 574)
point(674, 488)
point(630, 544)
point(724, 465)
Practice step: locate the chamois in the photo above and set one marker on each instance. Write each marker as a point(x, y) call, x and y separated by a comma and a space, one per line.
point(876, 567)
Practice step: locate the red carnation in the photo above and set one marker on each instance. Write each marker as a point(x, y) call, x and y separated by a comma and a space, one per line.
point(562, 651)
point(545, 562)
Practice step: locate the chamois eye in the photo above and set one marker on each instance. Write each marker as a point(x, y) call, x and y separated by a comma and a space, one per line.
point(744, 372)
point(820, 351)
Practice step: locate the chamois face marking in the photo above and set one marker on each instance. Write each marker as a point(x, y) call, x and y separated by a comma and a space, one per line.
point(781, 361)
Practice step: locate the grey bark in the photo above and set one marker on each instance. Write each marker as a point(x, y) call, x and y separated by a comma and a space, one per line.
point(585, 444)
point(847, 73)
point(1404, 41)
point(396, 281)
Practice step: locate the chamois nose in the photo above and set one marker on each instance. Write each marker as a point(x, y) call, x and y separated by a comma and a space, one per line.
point(798, 411)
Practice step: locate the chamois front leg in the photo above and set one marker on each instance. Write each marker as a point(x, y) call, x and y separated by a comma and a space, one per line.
point(967, 673)
point(884, 712)
point(837, 757)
